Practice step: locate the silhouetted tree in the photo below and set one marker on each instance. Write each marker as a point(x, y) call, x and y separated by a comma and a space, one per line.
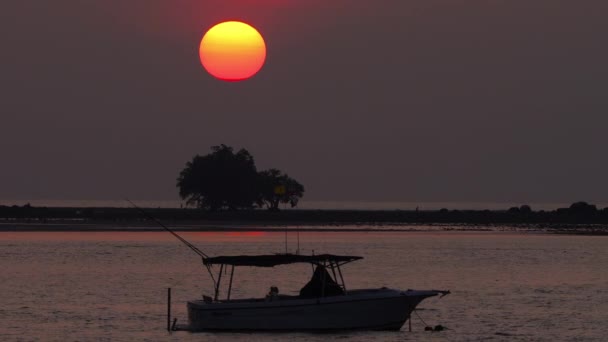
point(525, 209)
point(582, 208)
point(221, 179)
point(276, 187)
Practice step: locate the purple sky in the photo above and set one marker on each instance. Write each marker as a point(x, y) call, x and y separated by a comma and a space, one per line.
point(420, 100)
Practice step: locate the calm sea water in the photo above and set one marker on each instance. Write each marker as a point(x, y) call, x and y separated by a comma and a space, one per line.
point(112, 286)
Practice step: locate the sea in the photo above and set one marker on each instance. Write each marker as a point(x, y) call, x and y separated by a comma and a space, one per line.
point(112, 286)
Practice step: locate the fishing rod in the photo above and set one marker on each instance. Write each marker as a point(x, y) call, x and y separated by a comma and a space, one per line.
point(191, 246)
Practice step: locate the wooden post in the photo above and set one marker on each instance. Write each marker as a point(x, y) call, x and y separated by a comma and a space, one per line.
point(410, 320)
point(168, 309)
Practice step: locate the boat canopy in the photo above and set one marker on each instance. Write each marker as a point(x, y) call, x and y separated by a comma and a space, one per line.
point(279, 259)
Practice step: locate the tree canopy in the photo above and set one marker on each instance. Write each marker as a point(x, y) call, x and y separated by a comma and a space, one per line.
point(277, 187)
point(224, 179)
point(221, 179)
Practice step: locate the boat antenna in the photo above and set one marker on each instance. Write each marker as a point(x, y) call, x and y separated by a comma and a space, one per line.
point(191, 246)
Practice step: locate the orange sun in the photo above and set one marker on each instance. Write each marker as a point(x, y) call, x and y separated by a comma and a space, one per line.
point(232, 51)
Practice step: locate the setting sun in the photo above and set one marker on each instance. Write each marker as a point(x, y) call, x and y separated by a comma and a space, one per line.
point(232, 51)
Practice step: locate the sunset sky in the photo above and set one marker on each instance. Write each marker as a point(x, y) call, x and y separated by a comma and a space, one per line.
point(418, 100)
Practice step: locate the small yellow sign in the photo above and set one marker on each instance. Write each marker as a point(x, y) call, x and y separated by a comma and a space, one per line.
point(280, 190)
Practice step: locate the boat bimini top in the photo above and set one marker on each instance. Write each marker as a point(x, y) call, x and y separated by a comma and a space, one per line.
point(279, 259)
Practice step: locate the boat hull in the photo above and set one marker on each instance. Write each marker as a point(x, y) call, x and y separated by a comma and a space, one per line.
point(381, 309)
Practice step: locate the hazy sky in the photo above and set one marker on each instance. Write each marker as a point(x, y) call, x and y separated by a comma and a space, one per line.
point(404, 100)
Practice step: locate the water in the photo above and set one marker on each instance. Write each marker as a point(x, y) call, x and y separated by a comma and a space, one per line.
point(112, 285)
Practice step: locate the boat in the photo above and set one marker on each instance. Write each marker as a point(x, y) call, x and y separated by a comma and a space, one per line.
point(323, 304)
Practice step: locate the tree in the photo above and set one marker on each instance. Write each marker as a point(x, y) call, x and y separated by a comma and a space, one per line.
point(221, 179)
point(525, 209)
point(582, 208)
point(276, 187)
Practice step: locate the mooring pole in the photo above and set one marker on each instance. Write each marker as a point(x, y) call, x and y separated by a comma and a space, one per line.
point(410, 320)
point(168, 309)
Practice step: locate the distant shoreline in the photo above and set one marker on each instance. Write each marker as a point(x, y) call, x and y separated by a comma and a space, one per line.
point(303, 204)
point(581, 219)
point(64, 226)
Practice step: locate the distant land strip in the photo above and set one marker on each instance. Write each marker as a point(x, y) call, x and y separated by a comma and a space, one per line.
point(580, 218)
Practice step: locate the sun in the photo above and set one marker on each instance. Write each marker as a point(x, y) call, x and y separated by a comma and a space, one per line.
point(232, 51)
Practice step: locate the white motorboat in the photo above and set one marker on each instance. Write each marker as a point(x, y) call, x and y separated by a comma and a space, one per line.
point(324, 303)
